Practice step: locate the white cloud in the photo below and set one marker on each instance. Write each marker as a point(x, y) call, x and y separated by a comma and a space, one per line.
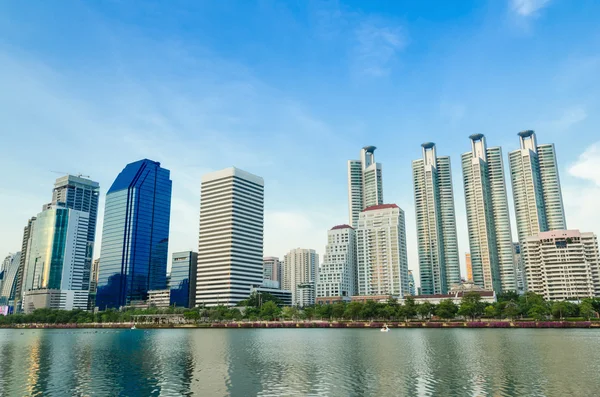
point(581, 198)
point(527, 8)
point(377, 44)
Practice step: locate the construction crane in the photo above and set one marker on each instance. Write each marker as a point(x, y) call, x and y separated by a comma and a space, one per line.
point(68, 173)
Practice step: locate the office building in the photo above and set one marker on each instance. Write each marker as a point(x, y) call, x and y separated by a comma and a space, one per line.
point(159, 298)
point(273, 288)
point(230, 247)
point(25, 244)
point(8, 282)
point(81, 194)
point(436, 221)
point(488, 220)
point(300, 267)
point(469, 266)
point(272, 268)
point(382, 263)
point(536, 187)
point(337, 275)
point(182, 282)
point(54, 273)
point(562, 264)
point(135, 235)
point(365, 186)
point(411, 283)
point(518, 260)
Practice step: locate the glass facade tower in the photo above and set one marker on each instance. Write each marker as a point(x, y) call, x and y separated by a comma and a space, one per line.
point(183, 279)
point(490, 236)
point(135, 235)
point(436, 222)
point(365, 186)
point(536, 187)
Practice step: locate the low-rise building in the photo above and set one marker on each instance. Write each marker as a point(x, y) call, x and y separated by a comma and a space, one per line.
point(272, 287)
point(562, 264)
point(159, 298)
point(54, 299)
point(456, 297)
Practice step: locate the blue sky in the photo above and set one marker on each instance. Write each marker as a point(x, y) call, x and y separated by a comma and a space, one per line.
point(290, 91)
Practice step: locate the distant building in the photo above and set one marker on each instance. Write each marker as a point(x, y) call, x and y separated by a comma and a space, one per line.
point(54, 273)
point(159, 298)
point(94, 283)
point(382, 264)
point(8, 282)
point(80, 194)
point(520, 269)
point(272, 268)
point(365, 186)
point(469, 267)
point(456, 297)
point(436, 221)
point(300, 275)
point(411, 283)
point(182, 282)
point(488, 219)
point(135, 236)
point(562, 264)
point(273, 288)
point(337, 275)
point(230, 244)
point(25, 245)
point(536, 187)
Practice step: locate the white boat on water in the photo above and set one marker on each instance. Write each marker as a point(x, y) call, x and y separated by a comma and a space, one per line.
point(385, 328)
point(133, 326)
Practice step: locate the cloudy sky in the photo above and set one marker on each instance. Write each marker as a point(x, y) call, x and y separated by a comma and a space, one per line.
point(290, 91)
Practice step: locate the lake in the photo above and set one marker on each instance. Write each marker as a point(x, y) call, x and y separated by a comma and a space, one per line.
point(293, 362)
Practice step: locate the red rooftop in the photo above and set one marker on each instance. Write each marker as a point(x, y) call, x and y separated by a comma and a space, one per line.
point(342, 227)
point(380, 207)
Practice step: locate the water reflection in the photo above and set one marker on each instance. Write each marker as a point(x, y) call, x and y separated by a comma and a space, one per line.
point(316, 362)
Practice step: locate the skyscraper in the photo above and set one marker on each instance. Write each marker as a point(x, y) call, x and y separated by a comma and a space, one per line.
point(135, 236)
point(488, 220)
point(80, 194)
point(8, 283)
point(436, 222)
point(54, 272)
point(26, 242)
point(183, 279)
point(382, 261)
point(536, 187)
point(469, 267)
point(365, 186)
point(272, 269)
point(230, 246)
point(300, 268)
point(337, 276)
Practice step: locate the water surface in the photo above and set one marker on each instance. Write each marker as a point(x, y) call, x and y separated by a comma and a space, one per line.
point(318, 362)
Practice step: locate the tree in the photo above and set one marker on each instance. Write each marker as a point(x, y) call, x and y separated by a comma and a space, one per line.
point(511, 310)
point(447, 309)
point(270, 311)
point(425, 309)
point(508, 296)
point(538, 311)
point(289, 313)
point(308, 312)
point(471, 305)
point(323, 311)
point(410, 307)
point(338, 309)
point(586, 309)
point(257, 299)
point(369, 310)
point(490, 311)
point(560, 310)
point(353, 310)
point(528, 300)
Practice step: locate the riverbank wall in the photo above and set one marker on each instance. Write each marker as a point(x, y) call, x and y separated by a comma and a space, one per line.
point(322, 325)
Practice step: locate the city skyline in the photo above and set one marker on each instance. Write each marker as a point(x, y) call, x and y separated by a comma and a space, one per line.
point(359, 75)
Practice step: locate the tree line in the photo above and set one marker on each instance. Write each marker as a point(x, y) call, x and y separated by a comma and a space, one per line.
point(267, 307)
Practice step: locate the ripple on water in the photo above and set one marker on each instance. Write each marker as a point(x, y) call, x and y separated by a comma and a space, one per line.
point(416, 362)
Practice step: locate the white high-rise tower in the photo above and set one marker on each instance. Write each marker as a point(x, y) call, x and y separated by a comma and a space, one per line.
point(337, 276)
point(536, 187)
point(436, 222)
point(300, 273)
point(490, 237)
point(230, 247)
point(365, 186)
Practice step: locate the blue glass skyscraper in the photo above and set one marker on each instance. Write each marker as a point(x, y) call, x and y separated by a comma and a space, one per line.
point(183, 279)
point(135, 236)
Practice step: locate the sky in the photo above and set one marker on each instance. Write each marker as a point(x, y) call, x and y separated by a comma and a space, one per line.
point(291, 90)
